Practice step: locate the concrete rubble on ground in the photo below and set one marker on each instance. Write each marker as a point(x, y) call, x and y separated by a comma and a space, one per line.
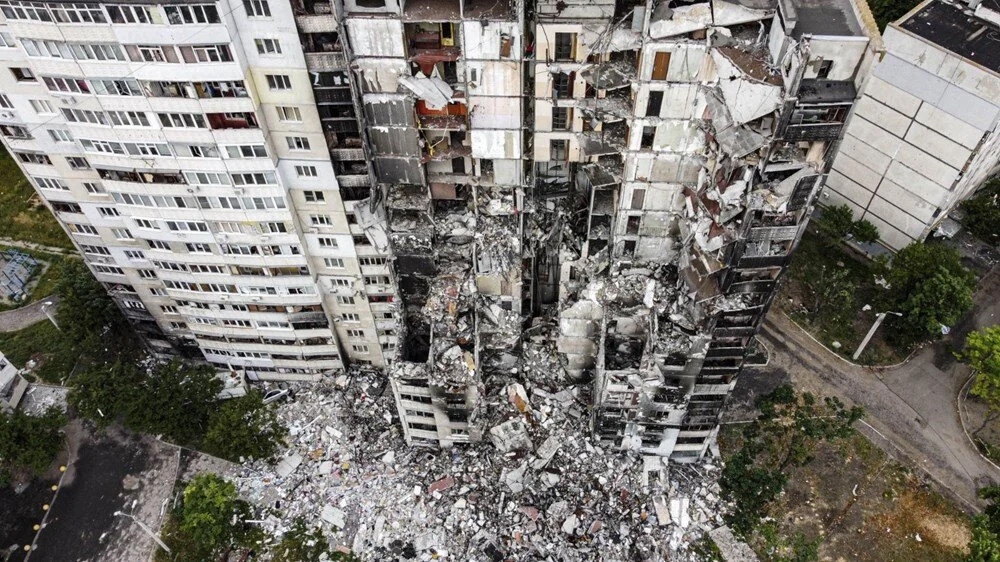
point(541, 488)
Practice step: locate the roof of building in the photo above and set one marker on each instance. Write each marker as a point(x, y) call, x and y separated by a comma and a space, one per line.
point(953, 28)
point(823, 17)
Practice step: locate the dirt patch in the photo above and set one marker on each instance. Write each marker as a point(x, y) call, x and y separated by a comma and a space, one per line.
point(859, 505)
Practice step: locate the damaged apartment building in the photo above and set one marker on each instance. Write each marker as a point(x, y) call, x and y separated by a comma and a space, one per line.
point(289, 189)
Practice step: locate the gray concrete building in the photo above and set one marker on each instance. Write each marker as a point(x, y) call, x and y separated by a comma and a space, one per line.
point(926, 131)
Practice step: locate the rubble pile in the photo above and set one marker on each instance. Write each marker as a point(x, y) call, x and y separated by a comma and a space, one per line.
point(539, 489)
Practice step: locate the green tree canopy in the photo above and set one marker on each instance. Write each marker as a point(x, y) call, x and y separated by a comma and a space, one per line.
point(785, 434)
point(929, 285)
point(982, 213)
point(104, 393)
point(209, 522)
point(87, 313)
point(835, 224)
point(985, 543)
point(244, 427)
point(28, 444)
point(175, 401)
point(982, 354)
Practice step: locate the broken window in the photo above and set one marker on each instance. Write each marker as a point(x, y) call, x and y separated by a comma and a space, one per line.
point(628, 248)
point(654, 104)
point(632, 225)
point(560, 118)
point(558, 150)
point(564, 46)
point(562, 85)
point(647, 137)
point(824, 69)
point(638, 198)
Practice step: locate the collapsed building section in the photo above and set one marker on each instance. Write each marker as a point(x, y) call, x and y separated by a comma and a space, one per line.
point(692, 139)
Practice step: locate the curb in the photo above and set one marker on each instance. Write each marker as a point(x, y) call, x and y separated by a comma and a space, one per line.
point(963, 394)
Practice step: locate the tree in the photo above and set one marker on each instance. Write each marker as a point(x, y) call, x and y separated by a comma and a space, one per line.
point(209, 522)
point(929, 285)
point(176, 401)
point(88, 314)
point(982, 355)
point(302, 544)
point(985, 543)
point(982, 213)
point(28, 444)
point(104, 393)
point(785, 434)
point(886, 11)
point(244, 427)
point(837, 223)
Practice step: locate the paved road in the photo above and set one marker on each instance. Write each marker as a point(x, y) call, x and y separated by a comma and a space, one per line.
point(913, 405)
point(14, 320)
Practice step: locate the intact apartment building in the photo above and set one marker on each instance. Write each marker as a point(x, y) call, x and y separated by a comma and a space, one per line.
point(926, 132)
point(290, 189)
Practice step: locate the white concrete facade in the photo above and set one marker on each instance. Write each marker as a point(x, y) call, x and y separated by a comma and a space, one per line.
point(923, 137)
point(181, 149)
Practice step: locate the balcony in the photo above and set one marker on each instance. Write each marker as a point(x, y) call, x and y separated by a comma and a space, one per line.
point(318, 62)
point(431, 10)
point(314, 17)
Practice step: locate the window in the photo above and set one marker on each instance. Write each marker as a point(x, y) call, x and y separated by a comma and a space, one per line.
point(206, 178)
point(122, 233)
point(654, 104)
point(206, 53)
point(68, 85)
point(60, 135)
point(77, 13)
point(146, 223)
point(197, 13)
point(558, 149)
point(327, 242)
point(247, 151)
point(136, 255)
point(50, 183)
point(355, 333)
point(350, 317)
point(97, 250)
point(306, 171)
point(6, 39)
point(198, 248)
point(257, 8)
point(297, 143)
point(77, 163)
point(187, 226)
point(152, 53)
point(115, 87)
point(345, 300)
point(648, 133)
point(320, 220)
point(147, 274)
point(279, 82)
point(182, 120)
point(22, 74)
point(562, 85)
point(560, 118)
point(377, 279)
point(42, 107)
point(34, 158)
point(128, 118)
point(93, 187)
point(268, 46)
point(372, 261)
point(5, 102)
point(158, 245)
point(112, 270)
point(638, 198)
point(335, 263)
point(314, 196)
point(132, 14)
point(564, 46)
point(255, 178)
point(289, 113)
point(360, 348)
point(108, 212)
point(824, 69)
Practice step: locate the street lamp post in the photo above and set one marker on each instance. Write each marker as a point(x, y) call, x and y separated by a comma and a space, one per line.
point(45, 311)
point(878, 322)
point(144, 528)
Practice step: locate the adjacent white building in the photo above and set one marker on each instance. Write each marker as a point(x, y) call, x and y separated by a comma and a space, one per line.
point(194, 153)
point(926, 132)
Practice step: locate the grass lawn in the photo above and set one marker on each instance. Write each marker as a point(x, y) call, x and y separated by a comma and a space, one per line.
point(24, 217)
point(855, 503)
point(843, 320)
point(51, 349)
